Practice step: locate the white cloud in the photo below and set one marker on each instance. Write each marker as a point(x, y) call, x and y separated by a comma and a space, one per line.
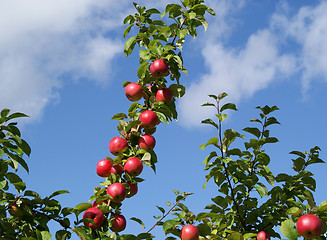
point(239, 73)
point(308, 28)
point(43, 40)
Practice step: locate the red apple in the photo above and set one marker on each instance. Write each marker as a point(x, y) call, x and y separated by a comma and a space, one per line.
point(190, 232)
point(159, 68)
point(117, 191)
point(95, 214)
point(104, 168)
point(117, 145)
point(263, 235)
point(118, 224)
point(117, 169)
point(133, 92)
point(149, 119)
point(133, 166)
point(309, 226)
point(164, 95)
point(147, 142)
point(132, 189)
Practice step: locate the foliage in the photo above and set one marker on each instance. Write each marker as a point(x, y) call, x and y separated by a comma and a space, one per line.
point(250, 197)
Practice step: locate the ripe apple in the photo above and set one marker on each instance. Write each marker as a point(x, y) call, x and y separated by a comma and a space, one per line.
point(263, 235)
point(159, 68)
point(133, 92)
point(117, 191)
point(164, 95)
point(190, 232)
point(104, 168)
point(117, 145)
point(118, 224)
point(132, 189)
point(147, 142)
point(95, 214)
point(149, 119)
point(133, 166)
point(117, 169)
point(309, 226)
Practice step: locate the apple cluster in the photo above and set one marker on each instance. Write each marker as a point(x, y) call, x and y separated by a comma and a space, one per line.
point(122, 172)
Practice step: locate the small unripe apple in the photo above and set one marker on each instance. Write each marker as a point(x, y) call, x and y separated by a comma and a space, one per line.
point(118, 224)
point(95, 214)
point(149, 119)
point(117, 169)
point(263, 235)
point(133, 92)
point(132, 189)
point(159, 68)
point(164, 95)
point(117, 145)
point(104, 168)
point(117, 191)
point(309, 226)
point(147, 142)
point(133, 166)
point(190, 232)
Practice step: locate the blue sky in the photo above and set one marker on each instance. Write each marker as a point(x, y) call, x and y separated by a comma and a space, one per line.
point(62, 63)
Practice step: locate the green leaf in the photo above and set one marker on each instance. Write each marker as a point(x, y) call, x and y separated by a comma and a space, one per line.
point(138, 221)
point(161, 209)
point(62, 235)
point(230, 106)
point(220, 96)
point(45, 235)
point(211, 122)
point(59, 192)
point(129, 45)
point(261, 190)
point(82, 207)
point(119, 116)
point(142, 70)
point(271, 121)
point(5, 112)
point(169, 224)
point(322, 206)
point(255, 131)
point(208, 104)
point(81, 233)
point(31, 194)
point(212, 141)
point(249, 235)
point(229, 136)
point(177, 90)
point(298, 164)
point(294, 211)
point(221, 116)
point(288, 229)
point(298, 153)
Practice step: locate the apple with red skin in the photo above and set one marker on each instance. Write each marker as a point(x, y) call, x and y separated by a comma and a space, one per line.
point(133, 92)
point(263, 235)
point(159, 68)
point(117, 145)
point(149, 119)
point(133, 166)
point(117, 191)
point(190, 232)
point(133, 188)
point(164, 95)
point(117, 169)
point(147, 142)
point(95, 214)
point(104, 168)
point(118, 224)
point(309, 226)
